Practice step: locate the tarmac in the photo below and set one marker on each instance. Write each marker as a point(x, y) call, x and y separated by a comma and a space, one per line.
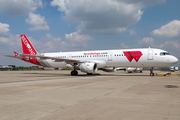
point(56, 95)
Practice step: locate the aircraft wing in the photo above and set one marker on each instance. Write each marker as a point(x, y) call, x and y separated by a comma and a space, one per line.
point(14, 57)
point(53, 58)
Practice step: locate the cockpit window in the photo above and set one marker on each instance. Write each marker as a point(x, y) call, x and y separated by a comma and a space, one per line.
point(164, 53)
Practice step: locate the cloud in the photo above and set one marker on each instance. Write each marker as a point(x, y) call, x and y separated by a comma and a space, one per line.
point(168, 45)
point(102, 16)
point(172, 29)
point(124, 46)
point(37, 21)
point(171, 45)
point(19, 7)
point(148, 41)
point(52, 44)
point(132, 32)
point(36, 28)
point(73, 41)
point(144, 2)
point(77, 40)
point(4, 29)
point(10, 43)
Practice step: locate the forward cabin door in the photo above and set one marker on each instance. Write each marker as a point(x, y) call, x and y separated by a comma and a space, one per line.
point(110, 56)
point(69, 56)
point(150, 54)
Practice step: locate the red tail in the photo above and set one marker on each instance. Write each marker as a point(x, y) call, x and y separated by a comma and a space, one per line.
point(16, 53)
point(27, 46)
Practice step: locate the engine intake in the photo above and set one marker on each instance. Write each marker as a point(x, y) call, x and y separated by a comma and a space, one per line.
point(88, 67)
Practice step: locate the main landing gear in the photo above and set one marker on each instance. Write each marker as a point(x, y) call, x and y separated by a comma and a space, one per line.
point(74, 72)
point(151, 71)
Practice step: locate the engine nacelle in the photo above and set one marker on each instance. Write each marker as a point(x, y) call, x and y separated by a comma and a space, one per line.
point(109, 69)
point(88, 67)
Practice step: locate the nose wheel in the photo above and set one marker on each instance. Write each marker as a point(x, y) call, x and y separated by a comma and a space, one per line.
point(151, 72)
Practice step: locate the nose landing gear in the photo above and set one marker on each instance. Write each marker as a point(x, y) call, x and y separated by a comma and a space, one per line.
point(151, 71)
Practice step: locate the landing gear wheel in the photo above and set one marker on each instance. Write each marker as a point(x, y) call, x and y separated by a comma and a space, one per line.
point(151, 74)
point(151, 71)
point(74, 73)
point(140, 71)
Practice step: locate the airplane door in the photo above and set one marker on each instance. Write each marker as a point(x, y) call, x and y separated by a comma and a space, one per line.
point(69, 56)
point(150, 54)
point(110, 56)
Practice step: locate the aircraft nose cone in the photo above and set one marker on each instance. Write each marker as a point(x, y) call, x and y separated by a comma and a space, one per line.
point(174, 60)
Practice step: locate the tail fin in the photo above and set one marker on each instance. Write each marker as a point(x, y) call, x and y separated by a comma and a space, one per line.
point(27, 46)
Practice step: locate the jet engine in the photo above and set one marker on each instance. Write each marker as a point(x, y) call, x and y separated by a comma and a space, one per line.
point(109, 69)
point(88, 67)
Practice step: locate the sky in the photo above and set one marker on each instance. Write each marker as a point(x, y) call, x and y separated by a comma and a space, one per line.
point(79, 25)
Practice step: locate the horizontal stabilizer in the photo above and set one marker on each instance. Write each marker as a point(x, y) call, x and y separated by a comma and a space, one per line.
point(14, 57)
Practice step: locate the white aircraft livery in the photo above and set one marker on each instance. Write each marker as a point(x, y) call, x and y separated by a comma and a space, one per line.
point(90, 61)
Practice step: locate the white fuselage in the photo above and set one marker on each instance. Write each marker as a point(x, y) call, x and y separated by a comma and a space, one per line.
point(147, 57)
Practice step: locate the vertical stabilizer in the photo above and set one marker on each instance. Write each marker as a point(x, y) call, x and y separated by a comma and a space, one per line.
point(27, 46)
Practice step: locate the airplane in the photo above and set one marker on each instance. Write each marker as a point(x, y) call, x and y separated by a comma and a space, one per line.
point(89, 61)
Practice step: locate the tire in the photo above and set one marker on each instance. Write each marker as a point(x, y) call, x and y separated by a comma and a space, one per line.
point(151, 74)
point(74, 73)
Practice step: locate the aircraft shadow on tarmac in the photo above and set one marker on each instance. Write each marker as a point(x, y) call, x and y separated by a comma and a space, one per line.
point(81, 75)
point(171, 86)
